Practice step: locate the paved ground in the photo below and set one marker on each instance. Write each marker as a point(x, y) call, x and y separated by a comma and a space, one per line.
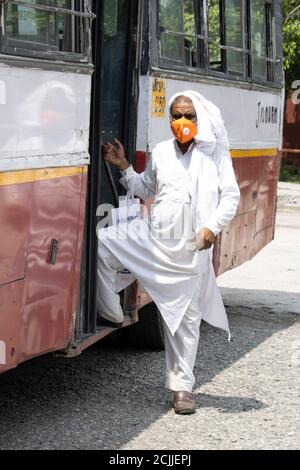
point(288, 195)
point(248, 391)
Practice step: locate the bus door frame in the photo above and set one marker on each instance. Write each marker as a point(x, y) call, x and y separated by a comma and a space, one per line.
point(86, 323)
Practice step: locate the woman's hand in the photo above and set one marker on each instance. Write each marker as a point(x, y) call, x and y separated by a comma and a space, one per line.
point(204, 239)
point(115, 155)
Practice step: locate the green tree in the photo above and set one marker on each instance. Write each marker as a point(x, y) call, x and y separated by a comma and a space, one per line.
point(291, 41)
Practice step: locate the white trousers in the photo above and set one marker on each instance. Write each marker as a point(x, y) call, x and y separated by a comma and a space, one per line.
point(108, 299)
point(180, 349)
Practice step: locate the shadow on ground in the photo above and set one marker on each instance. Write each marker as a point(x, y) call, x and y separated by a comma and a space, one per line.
point(107, 396)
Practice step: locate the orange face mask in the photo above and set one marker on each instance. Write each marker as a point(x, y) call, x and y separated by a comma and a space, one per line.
point(184, 130)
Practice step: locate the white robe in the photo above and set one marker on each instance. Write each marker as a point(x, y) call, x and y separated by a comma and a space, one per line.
point(207, 195)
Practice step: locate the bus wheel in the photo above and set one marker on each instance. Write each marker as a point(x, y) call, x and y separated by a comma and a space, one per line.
point(148, 332)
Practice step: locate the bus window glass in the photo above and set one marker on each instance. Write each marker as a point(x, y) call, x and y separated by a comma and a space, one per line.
point(115, 56)
point(111, 18)
point(70, 27)
point(190, 41)
point(26, 23)
point(258, 39)
point(234, 35)
point(214, 32)
point(178, 32)
point(30, 28)
point(171, 22)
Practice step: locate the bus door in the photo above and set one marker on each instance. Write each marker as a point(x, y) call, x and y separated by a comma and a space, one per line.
point(117, 83)
point(114, 110)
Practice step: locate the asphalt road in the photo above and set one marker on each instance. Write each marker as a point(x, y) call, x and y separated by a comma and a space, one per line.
point(247, 391)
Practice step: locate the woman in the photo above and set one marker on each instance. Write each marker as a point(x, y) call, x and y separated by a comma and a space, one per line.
point(170, 253)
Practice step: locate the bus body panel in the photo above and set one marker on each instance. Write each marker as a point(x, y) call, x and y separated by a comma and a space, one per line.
point(44, 131)
point(44, 118)
point(42, 307)
point(253, 226)
point(253, 119)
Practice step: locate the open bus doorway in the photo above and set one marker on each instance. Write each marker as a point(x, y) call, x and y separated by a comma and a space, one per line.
point(117, 84)
point(113, 114)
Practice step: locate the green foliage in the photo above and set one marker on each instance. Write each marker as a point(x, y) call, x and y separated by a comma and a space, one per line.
point(189, 23)
point(171, 15)
point(289, 173)
point(291, 41)
point(214, 29)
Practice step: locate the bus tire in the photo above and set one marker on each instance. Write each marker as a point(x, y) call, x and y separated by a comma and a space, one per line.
point(148, 332)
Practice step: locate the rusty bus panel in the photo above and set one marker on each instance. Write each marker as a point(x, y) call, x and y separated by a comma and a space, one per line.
point(253, 227)
point(49, 292)
point(42, 306)
point(15, 217)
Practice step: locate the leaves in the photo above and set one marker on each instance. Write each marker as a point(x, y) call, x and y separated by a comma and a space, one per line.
point(291, 41)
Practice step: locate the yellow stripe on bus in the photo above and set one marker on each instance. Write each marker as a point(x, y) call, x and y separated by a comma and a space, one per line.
point(254, 153)
point(30, 176)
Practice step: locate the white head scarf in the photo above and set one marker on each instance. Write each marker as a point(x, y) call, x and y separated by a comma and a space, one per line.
point(213, 146)
point(212, 136)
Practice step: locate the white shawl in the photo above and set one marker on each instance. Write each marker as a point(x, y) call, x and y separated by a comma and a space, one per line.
point(214, 189)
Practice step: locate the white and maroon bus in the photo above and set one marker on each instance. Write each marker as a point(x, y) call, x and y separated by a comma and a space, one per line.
point(75, 73)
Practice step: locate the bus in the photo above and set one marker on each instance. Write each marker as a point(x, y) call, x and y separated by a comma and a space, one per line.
point(73, 75)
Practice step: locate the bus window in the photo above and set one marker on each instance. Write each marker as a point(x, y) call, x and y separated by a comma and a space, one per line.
point(111, 12)
point(260, 33)
point(231, 37)
point(115, 58)
point(214, 21)
point(26, 24)
point(48, 27)
point(171, 21)
point(116, 97)
point(234, 36)
point(69, 27)
point(178, 32)
point(190, 42)
point(226, 36)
